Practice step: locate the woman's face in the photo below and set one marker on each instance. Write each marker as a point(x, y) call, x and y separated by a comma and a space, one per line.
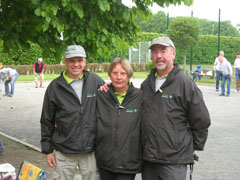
point(119, 78)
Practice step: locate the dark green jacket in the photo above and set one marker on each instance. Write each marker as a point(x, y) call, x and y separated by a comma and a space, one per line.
point(118, 131)
point(175, 121)
point(67, 125)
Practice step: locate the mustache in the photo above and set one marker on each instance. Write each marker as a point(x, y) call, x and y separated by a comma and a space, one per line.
point(159, 60)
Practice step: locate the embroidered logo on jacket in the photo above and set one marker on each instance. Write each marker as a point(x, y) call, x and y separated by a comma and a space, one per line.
point(131, 110)
point(167, 96)
point(91, 95)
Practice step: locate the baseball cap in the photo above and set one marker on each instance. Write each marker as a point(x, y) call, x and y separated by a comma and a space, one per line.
point(165, 41)
point(40, 59)
point(75, 51)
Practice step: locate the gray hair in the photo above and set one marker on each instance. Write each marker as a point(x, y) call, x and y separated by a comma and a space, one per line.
point(125, 65)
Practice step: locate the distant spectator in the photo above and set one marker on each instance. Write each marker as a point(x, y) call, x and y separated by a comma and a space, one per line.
point(237, 67)
point(226, 69)
point(8, 75)
point(217, 70)
point(2, 151)
point(38, 69)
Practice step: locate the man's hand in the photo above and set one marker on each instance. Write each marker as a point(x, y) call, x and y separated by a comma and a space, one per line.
point(104, 87)
point(51, 160)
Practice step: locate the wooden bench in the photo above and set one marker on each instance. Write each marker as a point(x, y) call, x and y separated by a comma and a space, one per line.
point(207, 73)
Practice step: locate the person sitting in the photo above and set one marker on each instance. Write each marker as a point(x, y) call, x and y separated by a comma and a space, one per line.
point(196, 73)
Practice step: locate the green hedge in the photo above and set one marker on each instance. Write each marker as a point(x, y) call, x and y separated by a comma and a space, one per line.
point(204, 52)
point(58, 68)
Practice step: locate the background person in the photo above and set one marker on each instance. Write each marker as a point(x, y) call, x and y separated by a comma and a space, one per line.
point(38, 70)
point(2, 150)
point(175, 119)
point(8, 76)
point(216, 69)
point(118, 149)
point(68, 120)
point(237, 67)
point(226, 69)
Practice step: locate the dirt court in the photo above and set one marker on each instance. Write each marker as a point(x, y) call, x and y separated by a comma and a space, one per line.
point(16, 153)
point(13, 113)
point(20, 115)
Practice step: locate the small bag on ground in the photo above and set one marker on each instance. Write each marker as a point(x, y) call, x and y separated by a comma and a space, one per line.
point(28, 171)
point(6, 170)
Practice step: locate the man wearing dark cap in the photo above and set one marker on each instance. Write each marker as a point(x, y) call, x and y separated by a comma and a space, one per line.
point(175, 119)
point(68, 121)
point(237, 67)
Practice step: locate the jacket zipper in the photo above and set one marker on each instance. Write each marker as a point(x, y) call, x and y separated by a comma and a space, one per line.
point(118, 107)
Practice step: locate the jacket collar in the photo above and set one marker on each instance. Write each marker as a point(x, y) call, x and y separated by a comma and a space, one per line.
point(130, 88)
point(169, 78)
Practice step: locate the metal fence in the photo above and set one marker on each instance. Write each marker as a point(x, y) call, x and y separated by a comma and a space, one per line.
point(142, 55)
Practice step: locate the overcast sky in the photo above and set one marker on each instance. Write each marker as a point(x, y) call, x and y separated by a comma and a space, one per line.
point(204, 9)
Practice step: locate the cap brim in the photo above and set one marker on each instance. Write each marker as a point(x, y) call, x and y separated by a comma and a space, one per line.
point(163, 44)
point(75, 55)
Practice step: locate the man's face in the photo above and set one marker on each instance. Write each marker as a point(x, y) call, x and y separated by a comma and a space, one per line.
point(162, 57)
point(75, 66)
point(39, 62)
point(238, 56)
point(119, 78)
point(220, 59)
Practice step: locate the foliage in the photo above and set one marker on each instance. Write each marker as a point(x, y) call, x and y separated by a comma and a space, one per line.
point(23, 56)
point(156, 23)
point(211, 28)
point(207, 50)
point(204, 53)
point(184, 32)
point(98, 25)
point(150, 65)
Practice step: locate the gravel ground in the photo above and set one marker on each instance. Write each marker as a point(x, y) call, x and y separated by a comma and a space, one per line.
point(20, 114)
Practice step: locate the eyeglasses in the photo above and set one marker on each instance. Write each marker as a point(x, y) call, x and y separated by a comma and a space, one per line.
point(163, 52)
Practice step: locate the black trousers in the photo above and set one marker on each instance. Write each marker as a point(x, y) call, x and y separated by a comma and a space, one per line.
point(108, 175)
point(155, 171)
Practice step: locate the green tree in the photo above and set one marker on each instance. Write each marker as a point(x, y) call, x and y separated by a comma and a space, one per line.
point(98, 25)
point(156, 23)
point(184, 31)
point(211, 28)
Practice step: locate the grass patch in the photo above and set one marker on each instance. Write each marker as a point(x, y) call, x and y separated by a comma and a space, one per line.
point(30, 77)
point(143, 75)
